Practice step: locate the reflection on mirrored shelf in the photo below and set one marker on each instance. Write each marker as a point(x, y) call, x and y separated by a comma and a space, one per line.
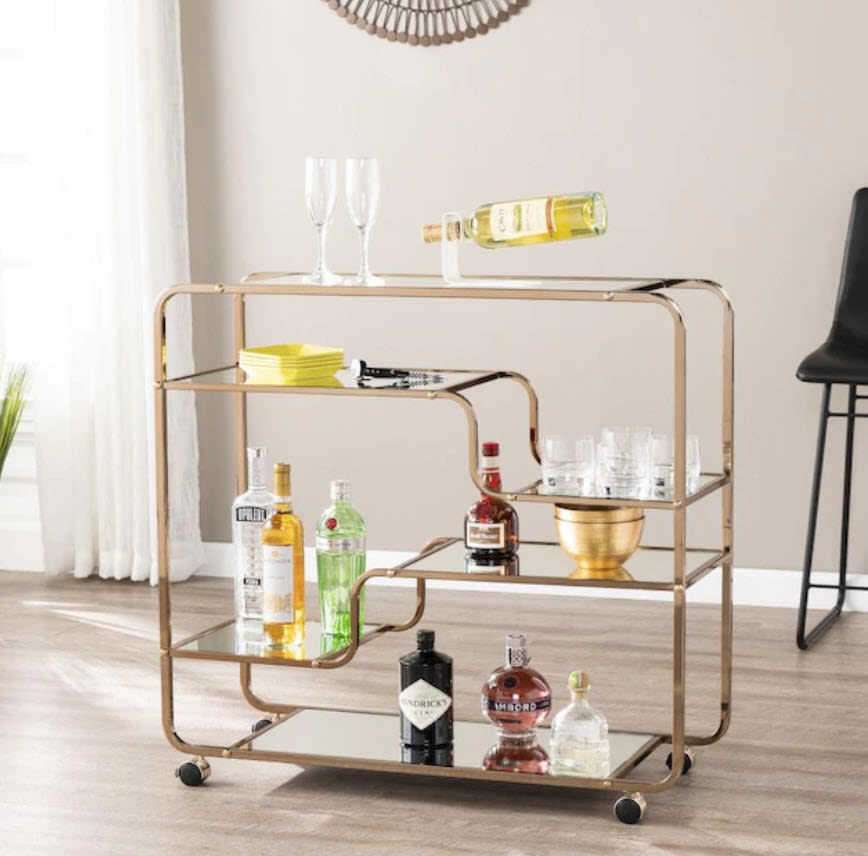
point(648, 567)
point(245, 639)
point(539, 489)
point(376, 738)
point(436, 380)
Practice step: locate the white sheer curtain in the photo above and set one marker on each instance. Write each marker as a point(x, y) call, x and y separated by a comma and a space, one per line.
point(121, 223)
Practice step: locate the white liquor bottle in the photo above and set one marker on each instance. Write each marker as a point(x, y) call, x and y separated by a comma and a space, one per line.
point(250, 511)
point(580, 735)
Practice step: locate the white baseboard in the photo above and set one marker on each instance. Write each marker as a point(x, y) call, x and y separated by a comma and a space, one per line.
point(751, 586)
point(20, 551)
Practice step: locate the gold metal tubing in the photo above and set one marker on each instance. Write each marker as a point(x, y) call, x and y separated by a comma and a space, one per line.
point(239, 341)
point(168, 717)
point(635, 290)
point(727, 436)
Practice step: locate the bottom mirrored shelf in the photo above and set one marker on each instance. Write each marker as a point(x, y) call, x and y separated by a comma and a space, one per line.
point(371, 741)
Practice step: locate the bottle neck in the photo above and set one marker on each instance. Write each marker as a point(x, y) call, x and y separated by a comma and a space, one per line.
point(516, 739)
point(517, 656)
point(580, 697)
point(283, 504)
point(256, 473)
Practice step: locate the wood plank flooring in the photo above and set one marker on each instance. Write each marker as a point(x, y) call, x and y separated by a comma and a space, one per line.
point(84, 768)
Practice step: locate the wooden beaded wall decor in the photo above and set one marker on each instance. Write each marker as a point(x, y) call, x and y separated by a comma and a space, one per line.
point(427, 22)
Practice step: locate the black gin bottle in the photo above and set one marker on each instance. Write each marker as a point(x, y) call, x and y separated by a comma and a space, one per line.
point(426, 704)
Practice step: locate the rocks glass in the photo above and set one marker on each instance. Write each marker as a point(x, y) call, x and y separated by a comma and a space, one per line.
point(625, 467)
point(568, 466)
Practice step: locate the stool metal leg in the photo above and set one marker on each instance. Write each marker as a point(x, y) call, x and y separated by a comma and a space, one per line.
point(803, 640)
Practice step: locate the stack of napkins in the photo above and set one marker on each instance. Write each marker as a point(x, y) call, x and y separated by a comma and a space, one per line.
point(278, 365)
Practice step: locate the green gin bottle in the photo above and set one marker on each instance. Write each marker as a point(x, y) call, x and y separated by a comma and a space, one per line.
point(340, 561)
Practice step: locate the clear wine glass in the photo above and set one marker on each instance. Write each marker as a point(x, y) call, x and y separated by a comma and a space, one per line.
point(363, 196)
point(320, 195)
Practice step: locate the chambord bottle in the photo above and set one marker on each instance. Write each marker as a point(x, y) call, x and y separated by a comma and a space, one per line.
point(517, 699)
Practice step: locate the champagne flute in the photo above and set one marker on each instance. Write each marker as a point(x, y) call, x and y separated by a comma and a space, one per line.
point(320, 194)
point(363, 196)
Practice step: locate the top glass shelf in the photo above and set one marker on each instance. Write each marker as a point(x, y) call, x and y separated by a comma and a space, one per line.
point(494, 282)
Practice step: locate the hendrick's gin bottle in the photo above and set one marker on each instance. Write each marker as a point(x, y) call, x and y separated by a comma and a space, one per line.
point(426, 704)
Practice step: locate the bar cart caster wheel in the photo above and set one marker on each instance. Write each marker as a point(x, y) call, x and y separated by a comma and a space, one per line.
point(631, 809)
point(260, 724)
point(689, 760)
point(194, 772)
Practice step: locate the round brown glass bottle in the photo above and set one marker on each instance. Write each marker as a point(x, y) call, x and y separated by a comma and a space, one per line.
point(491, 524)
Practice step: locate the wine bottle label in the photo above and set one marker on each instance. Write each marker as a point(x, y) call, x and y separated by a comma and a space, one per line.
point(522, 219)
point(251, 514)
point(340, 545)
point(485, 536)
point(277, 583)
point(518, 706)
point(474, 567)
point(423, 704)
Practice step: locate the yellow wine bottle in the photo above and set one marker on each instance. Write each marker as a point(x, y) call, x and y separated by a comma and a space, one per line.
point(283, 569)
point(528, 221)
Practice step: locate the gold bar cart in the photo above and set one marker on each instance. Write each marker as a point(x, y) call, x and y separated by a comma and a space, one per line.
point(361, 740)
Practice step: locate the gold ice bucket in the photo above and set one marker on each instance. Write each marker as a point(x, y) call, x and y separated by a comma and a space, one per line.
point(599, 539)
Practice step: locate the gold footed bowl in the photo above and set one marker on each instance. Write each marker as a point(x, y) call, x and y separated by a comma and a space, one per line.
point(599, 540)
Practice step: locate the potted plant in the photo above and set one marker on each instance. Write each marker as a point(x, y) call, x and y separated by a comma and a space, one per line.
point(11, 407)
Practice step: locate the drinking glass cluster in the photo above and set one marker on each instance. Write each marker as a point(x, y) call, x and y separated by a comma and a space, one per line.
point(627, 463)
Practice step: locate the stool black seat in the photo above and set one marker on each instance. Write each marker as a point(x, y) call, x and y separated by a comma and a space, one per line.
point(841, 359)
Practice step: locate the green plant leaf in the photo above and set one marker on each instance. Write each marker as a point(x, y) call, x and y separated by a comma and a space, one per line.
point(12, 407)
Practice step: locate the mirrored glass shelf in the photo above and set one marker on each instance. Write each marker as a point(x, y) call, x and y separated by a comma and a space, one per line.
point(708, 483)
point(540, 563)
point(245, 642)
point(441, 380)
point(372, 741)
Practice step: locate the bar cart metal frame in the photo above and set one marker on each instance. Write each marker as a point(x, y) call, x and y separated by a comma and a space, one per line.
point(263, 744)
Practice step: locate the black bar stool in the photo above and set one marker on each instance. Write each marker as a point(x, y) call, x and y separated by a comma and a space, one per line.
point(841, 359)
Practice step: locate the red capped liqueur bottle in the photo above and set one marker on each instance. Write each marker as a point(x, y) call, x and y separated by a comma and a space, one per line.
point(491, 524)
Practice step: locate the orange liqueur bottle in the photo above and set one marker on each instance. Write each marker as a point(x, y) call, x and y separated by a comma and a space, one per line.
point(491, 525)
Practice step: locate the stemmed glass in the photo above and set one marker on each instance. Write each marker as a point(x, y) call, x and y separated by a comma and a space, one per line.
point(320, 194)
point(363, 196)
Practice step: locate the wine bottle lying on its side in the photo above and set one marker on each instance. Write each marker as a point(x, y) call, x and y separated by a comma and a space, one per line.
point(528, 221)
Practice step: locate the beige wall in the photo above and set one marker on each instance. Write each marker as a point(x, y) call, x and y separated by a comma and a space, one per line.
point(727, 137)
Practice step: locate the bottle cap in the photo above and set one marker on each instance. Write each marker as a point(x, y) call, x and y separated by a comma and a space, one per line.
point(425, 640)
point(579, 682)
point(516, 649)
point(490, 450)
point(254, 452)
point(433, 232)
point(339, 490)
point(282, 480)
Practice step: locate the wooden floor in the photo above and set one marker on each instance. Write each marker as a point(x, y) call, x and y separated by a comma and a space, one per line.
point(85, 770)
